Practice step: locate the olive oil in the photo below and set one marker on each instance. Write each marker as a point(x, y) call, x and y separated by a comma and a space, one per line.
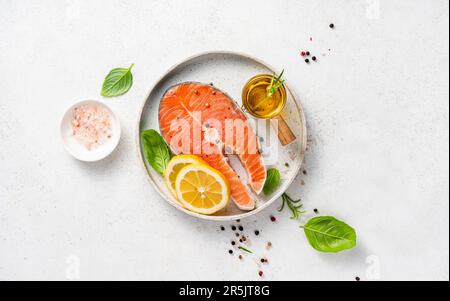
point(258, 101)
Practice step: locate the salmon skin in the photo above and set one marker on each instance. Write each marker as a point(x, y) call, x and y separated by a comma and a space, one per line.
point(199, 119)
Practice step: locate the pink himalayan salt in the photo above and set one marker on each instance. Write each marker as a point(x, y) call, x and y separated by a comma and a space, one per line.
point(91, 125)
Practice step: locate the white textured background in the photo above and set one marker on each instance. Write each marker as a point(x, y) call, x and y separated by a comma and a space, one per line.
point(378, 116)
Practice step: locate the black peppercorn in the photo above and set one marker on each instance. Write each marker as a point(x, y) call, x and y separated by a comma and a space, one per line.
point(308, 53)
point(331, 25)
point(222, 228)
point(230, 251)
point(233, 242)
point(233, 228)
point(241, 228)
point(307, 61)
point(314, 58)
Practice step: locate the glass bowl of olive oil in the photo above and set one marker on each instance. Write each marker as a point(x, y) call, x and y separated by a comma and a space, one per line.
point(257, 99)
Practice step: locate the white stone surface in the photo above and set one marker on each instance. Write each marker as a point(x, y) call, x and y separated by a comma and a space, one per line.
point(378, 117)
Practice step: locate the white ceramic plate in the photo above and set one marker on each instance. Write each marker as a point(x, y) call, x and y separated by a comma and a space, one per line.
point(229, 72)
point(76, 149)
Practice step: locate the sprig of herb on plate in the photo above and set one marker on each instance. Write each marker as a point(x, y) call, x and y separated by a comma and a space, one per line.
point(275, 84)
point(294, 205)
point(273, 180)
point(244, 249)
point(117, 82)
point(156, 150)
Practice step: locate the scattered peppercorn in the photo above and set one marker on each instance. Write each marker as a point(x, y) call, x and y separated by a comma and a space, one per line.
point(256, 232)
point(263, 260)
point(233, 228)
point(272, 218)
point(244, 238)
point(240, 240)
point(230, 251)
point(237, 234)
point(308, 53)
point(241, 228)
point(233, 242)
point(286, 164)
point(307, 61)
point(303, 53)
point(260, 273)
point(331, 25)
point(314, 58)
point(238, 220)
point(316, 210)
point(240, 257)
point(222, 228)
point(357, 278)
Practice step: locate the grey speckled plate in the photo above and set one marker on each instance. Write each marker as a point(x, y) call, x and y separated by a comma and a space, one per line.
point(229, 72)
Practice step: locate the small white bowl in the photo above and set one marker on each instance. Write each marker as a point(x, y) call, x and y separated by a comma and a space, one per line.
point(78, 150)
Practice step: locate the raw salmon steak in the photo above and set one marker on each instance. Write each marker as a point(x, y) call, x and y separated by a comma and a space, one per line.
point(199, 119)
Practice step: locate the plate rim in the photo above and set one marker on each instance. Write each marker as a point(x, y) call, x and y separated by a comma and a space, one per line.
point(243, 215)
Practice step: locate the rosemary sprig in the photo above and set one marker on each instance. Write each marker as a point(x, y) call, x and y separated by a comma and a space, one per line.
point(294, 205)
point(275, 83)
point(244, 249)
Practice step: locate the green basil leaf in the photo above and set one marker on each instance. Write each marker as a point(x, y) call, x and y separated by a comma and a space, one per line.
point(327, 234)
point(156, 150)
point(273, 180)
point(117, 82)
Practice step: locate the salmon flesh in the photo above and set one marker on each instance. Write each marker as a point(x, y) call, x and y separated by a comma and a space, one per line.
point(200, 119)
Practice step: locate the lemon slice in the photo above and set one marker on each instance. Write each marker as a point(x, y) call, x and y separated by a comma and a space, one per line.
point(174, 166)
point(202, 189)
